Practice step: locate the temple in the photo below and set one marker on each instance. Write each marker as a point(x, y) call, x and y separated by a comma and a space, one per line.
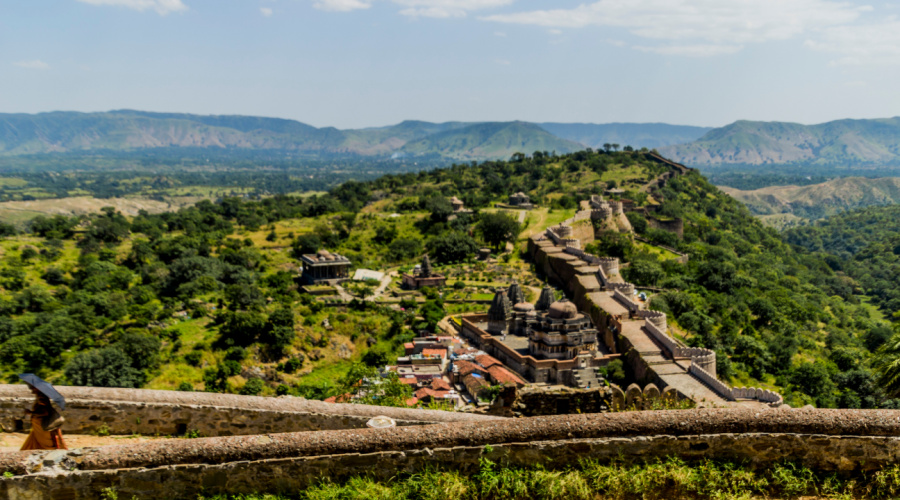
point(422, 276)
point(324, 267)
point(520, 200)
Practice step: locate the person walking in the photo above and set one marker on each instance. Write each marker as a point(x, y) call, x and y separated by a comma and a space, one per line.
point(45, 419)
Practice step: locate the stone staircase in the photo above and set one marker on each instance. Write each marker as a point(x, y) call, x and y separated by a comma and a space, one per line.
point(587, 377)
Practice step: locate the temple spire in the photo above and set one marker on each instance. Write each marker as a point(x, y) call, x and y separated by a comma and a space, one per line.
point(426, 267)
point(545, 300)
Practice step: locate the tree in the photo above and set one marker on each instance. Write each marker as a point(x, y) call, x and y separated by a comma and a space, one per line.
point(453, 246)
point(498, 228)
point(108, 367)
point(404, 249)
point(306, 244)
point(242, 327)
point(439, 207)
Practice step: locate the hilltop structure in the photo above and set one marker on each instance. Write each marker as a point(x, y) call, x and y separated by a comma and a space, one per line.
point(423, 275)
point(459, 206)
point(324, 267)
point(520, 200)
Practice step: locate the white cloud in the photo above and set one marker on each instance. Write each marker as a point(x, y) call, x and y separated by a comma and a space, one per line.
point(342, 5)
point(555, 31)
point(502, 62)
point(162, 7)
point(501, 34)
point(447, 8)
point(33, 64)
point(701, 27)
point(265, 11)
point(861, 44)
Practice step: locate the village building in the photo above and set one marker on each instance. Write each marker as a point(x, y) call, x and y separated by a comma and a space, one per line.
point(459, 206)
point(520, 200)
point(324, 267)
point(423, 275)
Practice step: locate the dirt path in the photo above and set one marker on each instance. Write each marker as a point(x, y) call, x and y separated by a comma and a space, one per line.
point(12, 441)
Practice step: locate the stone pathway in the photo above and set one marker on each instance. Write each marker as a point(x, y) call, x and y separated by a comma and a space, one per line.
point(12, 441)
point(385, 283)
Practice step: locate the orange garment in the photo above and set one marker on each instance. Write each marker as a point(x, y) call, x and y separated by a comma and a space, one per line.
point(39, 439)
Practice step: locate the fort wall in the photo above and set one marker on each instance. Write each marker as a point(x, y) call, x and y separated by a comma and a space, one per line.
point(135, 411)
point(829, 440)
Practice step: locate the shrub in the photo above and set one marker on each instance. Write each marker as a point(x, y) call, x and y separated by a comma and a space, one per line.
point(253, 387)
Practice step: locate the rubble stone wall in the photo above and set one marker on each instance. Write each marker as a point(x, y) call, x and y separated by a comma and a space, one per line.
point(829, 440)
point(135, 411)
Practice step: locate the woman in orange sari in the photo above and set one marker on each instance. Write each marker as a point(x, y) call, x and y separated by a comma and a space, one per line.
point(39, 439)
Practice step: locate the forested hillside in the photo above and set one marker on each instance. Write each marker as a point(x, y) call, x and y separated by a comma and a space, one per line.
point(205, 298)
point(863, 244)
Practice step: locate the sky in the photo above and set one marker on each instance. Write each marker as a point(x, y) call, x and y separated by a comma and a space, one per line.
point(365, 63)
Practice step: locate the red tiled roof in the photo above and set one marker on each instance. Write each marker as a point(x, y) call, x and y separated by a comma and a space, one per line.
point(501, 375)
point(435, 352)
point(467, 367)
point(409, 380)
point(409, 345)
point(412, 402)
point(440, 384)
point(487, 361)
point(426, 392)
point(341, 398)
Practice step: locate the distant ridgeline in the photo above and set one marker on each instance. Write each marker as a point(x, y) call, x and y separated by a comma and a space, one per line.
point(843, 147)
point(129, 138)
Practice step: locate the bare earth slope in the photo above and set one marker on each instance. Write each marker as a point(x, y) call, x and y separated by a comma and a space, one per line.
point(820, 200)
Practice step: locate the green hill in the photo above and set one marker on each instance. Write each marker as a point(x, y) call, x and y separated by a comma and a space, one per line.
point(490, 140)
point(842, 143)
point(205, 297)
point(637, 135)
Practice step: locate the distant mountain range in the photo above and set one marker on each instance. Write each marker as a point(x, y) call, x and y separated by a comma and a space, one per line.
point(841, 143)
point(756, 146)
point(127, 130)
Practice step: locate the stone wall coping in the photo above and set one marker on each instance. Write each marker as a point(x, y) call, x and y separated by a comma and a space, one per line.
point(281, 404)
point(448, 435)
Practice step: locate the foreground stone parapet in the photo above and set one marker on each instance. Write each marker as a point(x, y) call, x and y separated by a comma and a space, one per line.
point(129, 411)
point(823, 439)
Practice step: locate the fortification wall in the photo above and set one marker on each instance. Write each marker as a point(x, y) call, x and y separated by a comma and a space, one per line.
point(136, 411)
point(673, 226)
point(830, 440)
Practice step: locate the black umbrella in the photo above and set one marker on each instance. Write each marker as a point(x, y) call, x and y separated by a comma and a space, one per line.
point(45, 388)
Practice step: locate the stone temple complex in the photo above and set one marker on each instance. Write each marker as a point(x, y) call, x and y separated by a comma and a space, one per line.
point(423, 275)
point(324, 267)
point(547, 342)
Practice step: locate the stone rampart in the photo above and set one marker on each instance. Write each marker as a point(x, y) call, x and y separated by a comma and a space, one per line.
point(137, 411)
point(622, 295)
point(657, 318)
point(829, 440)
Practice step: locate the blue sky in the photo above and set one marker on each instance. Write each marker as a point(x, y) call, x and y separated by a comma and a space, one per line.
point(360, 63)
